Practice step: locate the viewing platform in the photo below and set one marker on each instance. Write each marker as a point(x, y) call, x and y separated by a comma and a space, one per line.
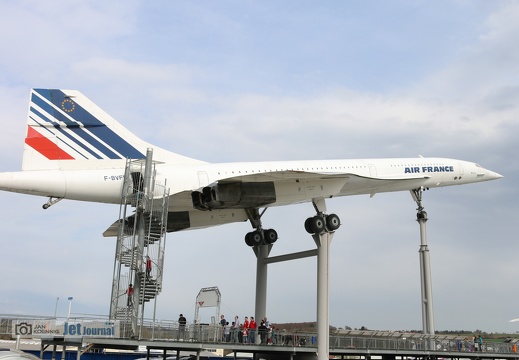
point(165, 340)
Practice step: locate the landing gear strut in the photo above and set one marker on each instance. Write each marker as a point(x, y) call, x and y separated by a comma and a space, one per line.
point(259, 236)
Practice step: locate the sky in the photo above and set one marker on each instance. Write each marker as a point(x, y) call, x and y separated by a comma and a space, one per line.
point(226, 81)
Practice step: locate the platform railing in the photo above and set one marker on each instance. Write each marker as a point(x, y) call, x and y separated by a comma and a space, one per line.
point(213, 334)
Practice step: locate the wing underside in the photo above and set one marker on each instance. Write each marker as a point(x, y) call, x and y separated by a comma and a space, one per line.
point(286, 187)
point(226, 201)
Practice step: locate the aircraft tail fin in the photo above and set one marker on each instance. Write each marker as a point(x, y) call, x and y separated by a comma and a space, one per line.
point(66, 129)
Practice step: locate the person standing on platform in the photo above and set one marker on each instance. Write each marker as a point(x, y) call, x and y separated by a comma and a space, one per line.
point(269, 333)
point(227, 332)
point(182, 326)
point(222, 324)
point(236, 329)
point(245, 330)
point(262, 329)
point(252, 330)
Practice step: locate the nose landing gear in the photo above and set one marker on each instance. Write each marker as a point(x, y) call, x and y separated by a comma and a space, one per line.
point(52, 200)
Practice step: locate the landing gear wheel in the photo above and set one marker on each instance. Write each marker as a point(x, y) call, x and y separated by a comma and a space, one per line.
point(315, 224)
point(270, 236)
point(307, 226)
point(253, 238)
point(332, 222)
point(247, 239)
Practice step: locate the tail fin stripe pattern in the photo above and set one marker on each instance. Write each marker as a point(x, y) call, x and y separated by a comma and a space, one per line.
point(84, 124)
point(74, 127)
point(44, 146)
point(53, 135)
point(39, 115)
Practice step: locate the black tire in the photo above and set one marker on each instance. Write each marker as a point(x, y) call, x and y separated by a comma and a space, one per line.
point(248, 240)
point(270, 235)
point(317, 224)
point(333, 222)
point(307, 226)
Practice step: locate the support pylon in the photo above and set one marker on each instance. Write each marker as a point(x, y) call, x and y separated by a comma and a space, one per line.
point(425, 267)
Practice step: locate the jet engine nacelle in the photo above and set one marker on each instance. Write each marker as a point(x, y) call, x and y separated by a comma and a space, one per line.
point(234, 195)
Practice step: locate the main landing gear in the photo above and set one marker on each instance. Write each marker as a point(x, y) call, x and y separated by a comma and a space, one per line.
point(322, 227)
point(317, 225)
point(321, 222)
point(259, 236)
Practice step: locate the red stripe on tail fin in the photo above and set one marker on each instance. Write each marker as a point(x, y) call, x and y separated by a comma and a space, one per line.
point(44, 146)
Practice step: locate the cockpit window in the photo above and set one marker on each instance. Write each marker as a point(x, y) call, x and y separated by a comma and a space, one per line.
point(477, 165)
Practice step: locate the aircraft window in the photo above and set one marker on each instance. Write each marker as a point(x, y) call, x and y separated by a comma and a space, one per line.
point(477, 165)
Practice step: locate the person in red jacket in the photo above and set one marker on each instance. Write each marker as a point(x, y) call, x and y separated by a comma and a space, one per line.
point(245, 330)
point(148, 267)
point(129, 292)
point(252, 330)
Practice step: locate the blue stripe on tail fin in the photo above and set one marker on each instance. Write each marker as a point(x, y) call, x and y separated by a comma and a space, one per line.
point(66, 115)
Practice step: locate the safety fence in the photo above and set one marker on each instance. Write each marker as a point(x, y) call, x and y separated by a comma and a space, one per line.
point(213, 334)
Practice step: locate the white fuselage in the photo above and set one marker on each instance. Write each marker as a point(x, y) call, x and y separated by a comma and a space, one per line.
point(295, 181)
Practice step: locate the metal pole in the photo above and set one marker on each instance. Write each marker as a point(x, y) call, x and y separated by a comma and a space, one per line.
point(260, 311)
point(323, 280)
point(425, 262)
point(142, 207)
point(69, 306)
point(425, 269)
point(56, 308)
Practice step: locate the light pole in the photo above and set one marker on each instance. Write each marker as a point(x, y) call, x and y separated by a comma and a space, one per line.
point(69, 306)
point(56, 308)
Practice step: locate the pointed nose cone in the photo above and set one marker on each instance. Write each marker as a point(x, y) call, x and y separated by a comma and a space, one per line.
point(491, 175)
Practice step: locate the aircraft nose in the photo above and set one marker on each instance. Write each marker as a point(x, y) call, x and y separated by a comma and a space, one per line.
point(491, 175)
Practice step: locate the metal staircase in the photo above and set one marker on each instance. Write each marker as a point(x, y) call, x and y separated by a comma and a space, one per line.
point(139, 255)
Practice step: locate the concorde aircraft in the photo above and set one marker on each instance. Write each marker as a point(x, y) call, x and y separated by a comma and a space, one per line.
point(74, 150)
